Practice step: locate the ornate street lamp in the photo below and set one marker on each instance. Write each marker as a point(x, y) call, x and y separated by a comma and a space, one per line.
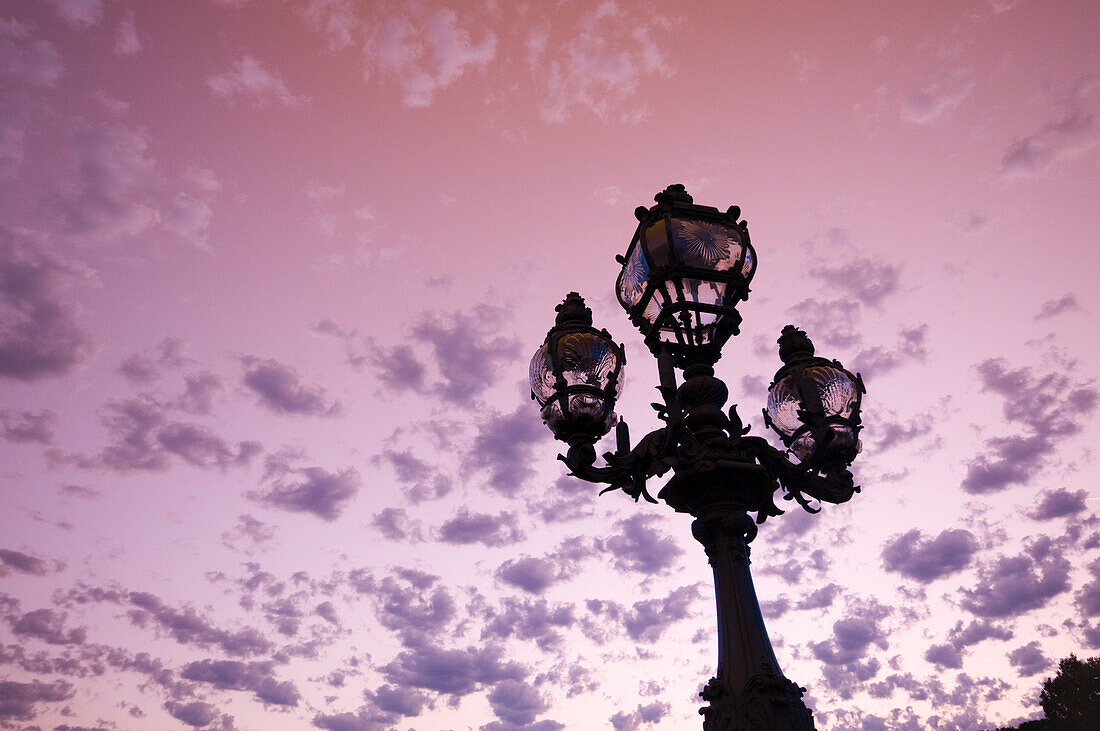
point(685, 272)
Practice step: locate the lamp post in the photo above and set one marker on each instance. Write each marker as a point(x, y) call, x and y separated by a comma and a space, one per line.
point(684, 273)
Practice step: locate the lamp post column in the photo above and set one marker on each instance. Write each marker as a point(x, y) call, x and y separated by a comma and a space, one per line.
point(748, 691)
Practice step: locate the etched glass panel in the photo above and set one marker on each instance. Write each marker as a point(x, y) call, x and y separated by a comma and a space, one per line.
point(705, 245)
point(542, 374)
point(586, 359)
point(837, 391)
point(634, 277)
point(783, 407)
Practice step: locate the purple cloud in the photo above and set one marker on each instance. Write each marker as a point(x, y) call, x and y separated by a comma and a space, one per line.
point(1050, 407)
point(639, 546)
point(924, 559)
point(866, 280)
point(517, 702)
point(1053, 308)
point(19, 700)
point(529, 620)
point(395, 524)
point(490, 530)
point(505, 446)
point(143, 368)
point(1008, 586)
point(144, 440)
point(1028, 659)
point(40, 337)
point(28, 427)
point(280, 389)
point(21, 562)
point(1059, 504)
point(48, 626)
point(305, 489)
point(647, 620)
point(653, 712)
point(255, 677)
point(453, 672)
point(420, 481)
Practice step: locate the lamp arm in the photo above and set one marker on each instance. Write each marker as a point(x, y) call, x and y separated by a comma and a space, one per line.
point(627, 469)
point(828, 486)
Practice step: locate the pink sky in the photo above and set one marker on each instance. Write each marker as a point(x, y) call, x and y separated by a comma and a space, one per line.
point(271, 274)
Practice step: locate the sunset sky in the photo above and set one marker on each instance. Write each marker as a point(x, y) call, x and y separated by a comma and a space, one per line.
point(271, 273)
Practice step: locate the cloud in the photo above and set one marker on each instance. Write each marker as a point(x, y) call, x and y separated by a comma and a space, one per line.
point(854, 634)
point(394, 524)
point(79, 14)
point(517, 702)
point(867, 280)
point(530, 573)
point(946, 92)
point(1051, 408)
point(127, 42)
point(598, 65)
point(529, 620)
point(249, 80)
point(334, 19)
point(1028, 659)
point(281, 390)
point(879, 360)
point(647, 620)
point(26, 60)
point(199, 391)
point(653, 712)
point(425, 52)
point(1053, 308)
point(829, 322)
point(144, 440)
point(305, 489)
point(1071, 134)
point(145, 368)
point(468, 349)
point(924, 559)
point(195, 713)
point(250, 529)
point(639, 546)
point(453, 672)
point(40, 336)
point(1058, 504)
point(1008, 586)
point(117, 180)
point(490, 530)
point(21, 562)
point(405, 607)
point(505, 445)
point(48, 626)
point(28, 427)
point(18, 700)
point(420, 481)
point(256, 677)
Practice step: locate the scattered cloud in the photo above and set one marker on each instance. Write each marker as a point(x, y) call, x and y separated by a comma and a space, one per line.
point(1050, 406)
point(425, 51)
point(23, 563)
point(28, 427)
point(1064, 138)
point(944, 93)
point(490, 530)
point(1053, 308)
point(250, 81)
point(1008, 586)
point(40, 336)
point(925, 559)
point(297, 489)
point(280, 389)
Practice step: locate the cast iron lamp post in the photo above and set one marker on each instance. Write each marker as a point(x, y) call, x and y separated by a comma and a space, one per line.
point(683, 275)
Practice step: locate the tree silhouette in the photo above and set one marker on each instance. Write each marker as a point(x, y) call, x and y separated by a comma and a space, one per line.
point(1070, 700)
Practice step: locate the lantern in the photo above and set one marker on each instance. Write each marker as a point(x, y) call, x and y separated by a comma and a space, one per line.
point(683, 275)
point(576, 375)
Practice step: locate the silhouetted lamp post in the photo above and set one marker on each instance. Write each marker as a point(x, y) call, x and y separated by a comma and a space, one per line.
point(683, 275)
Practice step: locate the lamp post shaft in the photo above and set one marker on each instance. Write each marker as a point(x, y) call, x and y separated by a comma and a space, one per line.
point(748, 691)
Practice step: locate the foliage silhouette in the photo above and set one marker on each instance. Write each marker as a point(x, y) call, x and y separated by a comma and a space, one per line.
point(1070, 700)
